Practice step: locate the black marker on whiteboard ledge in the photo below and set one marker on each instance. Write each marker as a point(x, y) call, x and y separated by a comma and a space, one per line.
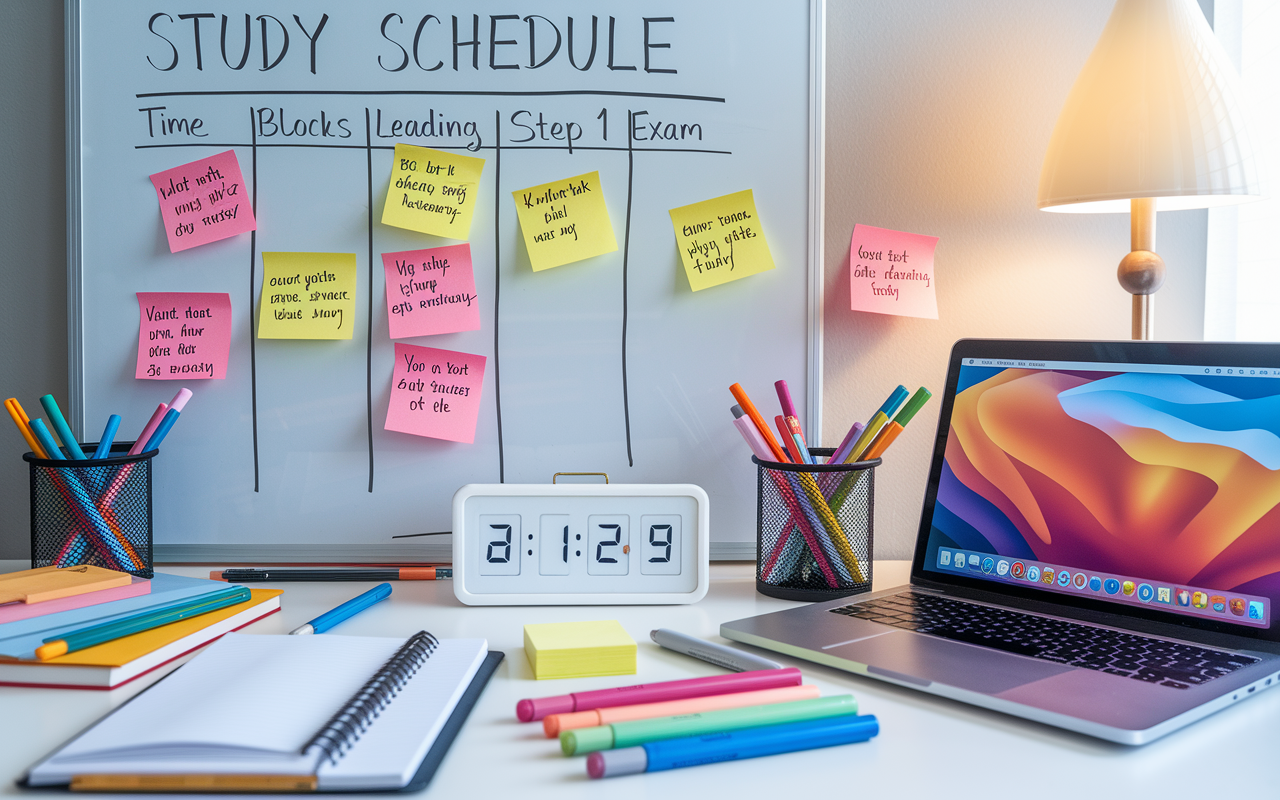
point(710, 652)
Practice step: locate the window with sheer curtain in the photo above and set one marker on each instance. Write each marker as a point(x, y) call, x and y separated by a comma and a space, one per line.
point(1242, 292)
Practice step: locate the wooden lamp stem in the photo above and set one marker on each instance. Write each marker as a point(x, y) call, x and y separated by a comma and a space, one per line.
point(1141, 273)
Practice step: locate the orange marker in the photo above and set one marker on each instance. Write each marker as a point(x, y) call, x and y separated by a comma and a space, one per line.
point(553, 724)
point(740, 395)
point(23, 422)
point(891, 431)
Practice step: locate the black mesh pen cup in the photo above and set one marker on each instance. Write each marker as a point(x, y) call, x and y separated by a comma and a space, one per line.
point(95, 511)
point(814, 526)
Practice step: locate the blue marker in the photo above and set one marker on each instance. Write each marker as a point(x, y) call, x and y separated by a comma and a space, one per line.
point(345, 611)
point(711, 748)
point(108, 436)
point(171, 416)
point(61, 428)
point(46, 439)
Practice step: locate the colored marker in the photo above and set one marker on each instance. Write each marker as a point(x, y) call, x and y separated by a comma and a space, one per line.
point(537, 708)
point(894, 428)
point(345, 611)
point(797, 433)
point(60, 427)
point(23, 422)
point(556, 724)
point(793, 451)
point(754, 440)
point(740, 395)
point(750, 743)
point(637, 732)
point(171, 416)
point(710, 652)
point(149, 429)
point(108, 436)
point(46, 440)
point(784, 399)
point(874, 424)
point(845, 444)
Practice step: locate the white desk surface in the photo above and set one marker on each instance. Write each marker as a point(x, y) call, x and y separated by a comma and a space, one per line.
point(928, 747)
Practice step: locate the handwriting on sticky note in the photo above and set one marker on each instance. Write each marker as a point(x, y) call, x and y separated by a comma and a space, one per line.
point(564, 221)
point(891, 272)
point(203, 201)
point(183, 335)
point(307, 296)
point(431, 291)
point(720, 240)
point(432, 191)
point(435, 393)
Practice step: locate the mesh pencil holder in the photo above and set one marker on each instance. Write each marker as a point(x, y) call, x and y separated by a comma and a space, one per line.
point(814, 526)
point(96, 511)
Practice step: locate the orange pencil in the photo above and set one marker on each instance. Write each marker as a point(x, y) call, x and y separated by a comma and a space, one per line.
point(740, 395)
point(553, 724)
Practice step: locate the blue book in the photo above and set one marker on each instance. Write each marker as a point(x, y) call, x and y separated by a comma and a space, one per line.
point(20, 639)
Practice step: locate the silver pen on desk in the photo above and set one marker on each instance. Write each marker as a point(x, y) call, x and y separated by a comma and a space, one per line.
point(710, 652)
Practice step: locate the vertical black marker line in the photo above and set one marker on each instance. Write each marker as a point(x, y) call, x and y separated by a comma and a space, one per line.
point(626, 249)
point(253, 263)
point(368, 351)
point(497, 280)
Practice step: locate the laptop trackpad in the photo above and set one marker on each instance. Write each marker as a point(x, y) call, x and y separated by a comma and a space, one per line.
point(916, 658)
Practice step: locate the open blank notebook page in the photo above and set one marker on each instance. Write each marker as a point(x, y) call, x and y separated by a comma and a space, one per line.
point(250, 704)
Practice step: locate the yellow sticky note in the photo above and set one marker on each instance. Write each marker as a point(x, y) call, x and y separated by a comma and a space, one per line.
point(720, 240)
point(432, 191)
point(564, 221)
point(307, 296)
point(579, 649)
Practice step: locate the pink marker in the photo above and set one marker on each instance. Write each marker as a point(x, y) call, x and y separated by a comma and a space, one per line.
point(530, 710)
point(850, 439)
point(152, 424)
point(784, 399)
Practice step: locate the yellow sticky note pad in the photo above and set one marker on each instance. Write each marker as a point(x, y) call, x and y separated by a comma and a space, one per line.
point(432, 191)
point(307, 296)
point(564, 221)
point(579, 649)
point(720, 240)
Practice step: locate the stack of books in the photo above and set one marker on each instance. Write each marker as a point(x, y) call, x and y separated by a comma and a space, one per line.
point(32, 617)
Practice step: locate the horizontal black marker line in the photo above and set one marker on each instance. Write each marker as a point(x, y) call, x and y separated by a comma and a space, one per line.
point(440, 92)
point(484, 147)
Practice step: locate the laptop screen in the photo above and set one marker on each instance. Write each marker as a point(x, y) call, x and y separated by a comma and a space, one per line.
point(1146, 485)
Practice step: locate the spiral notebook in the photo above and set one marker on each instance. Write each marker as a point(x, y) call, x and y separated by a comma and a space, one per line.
point(285, 713)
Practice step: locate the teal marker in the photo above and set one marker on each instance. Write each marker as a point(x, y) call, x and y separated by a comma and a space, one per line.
point(637, 732)
point(61, 428)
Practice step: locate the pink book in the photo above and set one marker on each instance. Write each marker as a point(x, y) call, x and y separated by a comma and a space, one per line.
point(12, 612)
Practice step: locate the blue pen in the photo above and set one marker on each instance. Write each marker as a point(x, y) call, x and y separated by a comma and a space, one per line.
point(345, 611)
point(108, 436)
point(711, 748)
point(61, 428)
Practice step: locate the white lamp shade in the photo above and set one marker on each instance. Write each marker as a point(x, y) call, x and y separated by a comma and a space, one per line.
point(1156, 112)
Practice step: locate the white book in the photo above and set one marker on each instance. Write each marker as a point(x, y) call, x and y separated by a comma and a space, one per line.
point(338, 712)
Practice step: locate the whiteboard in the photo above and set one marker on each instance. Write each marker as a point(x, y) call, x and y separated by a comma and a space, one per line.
point(611, 364)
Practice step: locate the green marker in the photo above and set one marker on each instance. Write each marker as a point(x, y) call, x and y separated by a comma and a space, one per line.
point(637, 732)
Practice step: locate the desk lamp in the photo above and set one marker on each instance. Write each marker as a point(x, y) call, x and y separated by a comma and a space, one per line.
point(1153, 122)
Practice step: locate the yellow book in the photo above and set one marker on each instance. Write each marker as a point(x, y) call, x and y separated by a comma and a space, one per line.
point(110, 664)
point(579, 649)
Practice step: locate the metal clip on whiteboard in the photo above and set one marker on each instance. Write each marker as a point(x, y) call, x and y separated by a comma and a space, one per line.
point(580, 543)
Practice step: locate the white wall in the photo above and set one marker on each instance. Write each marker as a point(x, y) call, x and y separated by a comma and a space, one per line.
point(938, 116)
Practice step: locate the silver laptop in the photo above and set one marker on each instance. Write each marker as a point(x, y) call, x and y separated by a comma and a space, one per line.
point(1099, 548)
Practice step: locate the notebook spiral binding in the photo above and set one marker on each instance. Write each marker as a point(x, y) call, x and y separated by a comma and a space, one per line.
point(346, 726)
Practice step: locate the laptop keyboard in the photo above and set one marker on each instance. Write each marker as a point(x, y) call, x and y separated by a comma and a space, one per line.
point(1178, 666)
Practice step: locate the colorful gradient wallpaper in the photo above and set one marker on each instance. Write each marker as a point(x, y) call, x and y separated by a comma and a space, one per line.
point(1173, 478)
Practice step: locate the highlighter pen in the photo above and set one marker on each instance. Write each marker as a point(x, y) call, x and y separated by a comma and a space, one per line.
point(788, 441)
point(894, 428)
point(713, 748)
point(629, 734)
point(60, 427)
point(171, 416)
point(710, 652)
point(23, 422)
point(556, 724)
point(740, 395)
point(108, 436)
point(537, 708)
point(149, 429)
point(843, 450)
point(754, 440)
point(874, 424)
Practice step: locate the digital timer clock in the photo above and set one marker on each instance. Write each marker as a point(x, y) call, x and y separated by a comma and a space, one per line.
point(580, 544)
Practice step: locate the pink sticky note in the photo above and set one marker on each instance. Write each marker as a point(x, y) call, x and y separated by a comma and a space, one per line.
point(183, 335)
point(203, 201)
point(431, 291)
point(891, 272)
point(435, 393)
